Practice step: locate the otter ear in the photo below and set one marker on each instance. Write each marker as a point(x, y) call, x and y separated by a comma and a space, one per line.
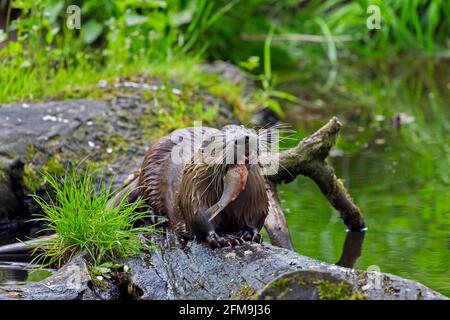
point(232, 127)
point(227, 127)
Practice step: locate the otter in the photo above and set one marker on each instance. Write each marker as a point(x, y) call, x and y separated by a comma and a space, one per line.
point(207, 182)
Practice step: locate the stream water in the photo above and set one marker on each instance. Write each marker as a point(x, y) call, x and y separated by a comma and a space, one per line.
point(19, 268)
point(394, 157)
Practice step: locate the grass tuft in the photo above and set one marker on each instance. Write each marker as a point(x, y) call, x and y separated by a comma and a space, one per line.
point(84, 222)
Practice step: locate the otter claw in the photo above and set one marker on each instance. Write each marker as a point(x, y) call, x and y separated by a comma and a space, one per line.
point(216, 241)
point(235, 241)
point(257, 238)
point(252, 236)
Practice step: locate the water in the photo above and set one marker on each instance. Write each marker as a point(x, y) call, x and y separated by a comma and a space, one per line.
point(18, 268)
point(399, 177)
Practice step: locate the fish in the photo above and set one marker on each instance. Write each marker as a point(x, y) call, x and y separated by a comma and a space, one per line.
point(234, 183)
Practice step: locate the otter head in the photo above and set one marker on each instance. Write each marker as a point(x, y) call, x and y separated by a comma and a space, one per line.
point(232, 148)
point(224, 171)
point(241, 146)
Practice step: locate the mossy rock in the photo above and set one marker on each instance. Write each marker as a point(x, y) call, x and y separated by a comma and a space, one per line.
point(246, 292)
point(309, 285)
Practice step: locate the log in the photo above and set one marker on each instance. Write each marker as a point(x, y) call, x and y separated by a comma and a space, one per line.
point(192, 270)
point(24, 247)
point(308, 158)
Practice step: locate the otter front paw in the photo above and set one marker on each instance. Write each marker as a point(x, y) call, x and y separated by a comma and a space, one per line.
point(251, 235)
point(216, 241)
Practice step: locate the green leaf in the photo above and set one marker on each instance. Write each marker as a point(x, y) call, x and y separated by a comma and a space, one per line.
point(3, 36)
point(51, 12)
point(25, 64)
point(275, 107)
point(90, 31)
point(182, 17)
point(156, 4)
point(135, 19)
point(51, 35)
point(251, 64)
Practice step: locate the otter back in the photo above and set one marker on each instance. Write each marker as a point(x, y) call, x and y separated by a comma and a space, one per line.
point(160, 178)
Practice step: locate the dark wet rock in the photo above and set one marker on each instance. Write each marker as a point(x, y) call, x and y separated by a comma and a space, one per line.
point(309, 285)
point(70, 283)
point(194, 271)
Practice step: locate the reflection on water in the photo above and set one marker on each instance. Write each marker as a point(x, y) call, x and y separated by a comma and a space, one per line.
point(19, 230)
point(17, 269)
point(399, 177)
point(352, 249)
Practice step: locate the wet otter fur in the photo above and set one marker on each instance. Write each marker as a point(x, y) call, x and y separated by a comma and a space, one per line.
point(186, 191)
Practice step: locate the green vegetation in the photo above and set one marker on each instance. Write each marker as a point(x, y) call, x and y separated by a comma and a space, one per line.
point(280, 288)
point(33, 180)
point(245, 293)
point(85, 224)
point(120, 38)
point(418, 27)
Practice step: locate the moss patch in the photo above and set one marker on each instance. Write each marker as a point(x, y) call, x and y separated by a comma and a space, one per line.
point(337, 291)
point(32, 177)
point(3, 176)
point(282, 287)
point(245, 293)
point(174, 108)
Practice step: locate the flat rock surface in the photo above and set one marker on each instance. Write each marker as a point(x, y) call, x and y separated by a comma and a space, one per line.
point(24, 123)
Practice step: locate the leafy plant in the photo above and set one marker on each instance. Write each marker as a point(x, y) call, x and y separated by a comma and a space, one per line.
point(269, 94)
point(83, 222)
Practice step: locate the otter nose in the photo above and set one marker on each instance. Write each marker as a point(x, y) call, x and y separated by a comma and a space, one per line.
point(247, 146)
point(242, 150)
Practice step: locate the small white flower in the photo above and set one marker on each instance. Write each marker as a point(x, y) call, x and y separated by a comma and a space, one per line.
point(102, 83)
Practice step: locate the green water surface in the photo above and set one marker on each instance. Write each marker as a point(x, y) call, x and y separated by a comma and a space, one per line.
point(398, 176)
